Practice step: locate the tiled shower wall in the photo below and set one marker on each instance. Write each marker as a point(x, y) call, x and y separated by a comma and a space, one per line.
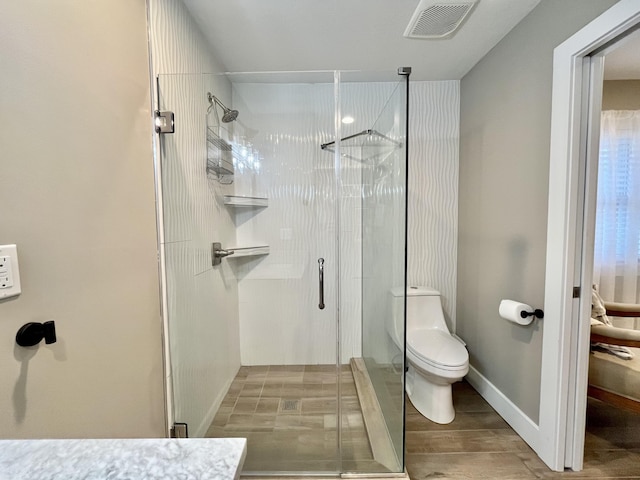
point(280, 322)
point(434, 132)
point(279, 319)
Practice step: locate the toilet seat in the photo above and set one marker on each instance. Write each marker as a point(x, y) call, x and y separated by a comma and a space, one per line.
point(437, 349)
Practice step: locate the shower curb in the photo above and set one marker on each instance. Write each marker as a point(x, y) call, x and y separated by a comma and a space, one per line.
point(379, 438)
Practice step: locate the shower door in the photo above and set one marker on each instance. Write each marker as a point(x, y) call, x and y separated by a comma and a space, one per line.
point(261, 345)
point(287, 300)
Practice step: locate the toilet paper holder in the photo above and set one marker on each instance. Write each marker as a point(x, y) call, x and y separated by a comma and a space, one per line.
point(536, 313)
point(518, 312)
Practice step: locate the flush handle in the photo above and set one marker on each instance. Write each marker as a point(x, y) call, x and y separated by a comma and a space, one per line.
point(321, 279)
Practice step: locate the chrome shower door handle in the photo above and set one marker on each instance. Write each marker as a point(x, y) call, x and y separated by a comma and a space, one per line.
point(321, 278)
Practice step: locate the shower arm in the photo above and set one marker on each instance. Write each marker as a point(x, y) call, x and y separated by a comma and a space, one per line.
point(228, 115)
point(215, 99)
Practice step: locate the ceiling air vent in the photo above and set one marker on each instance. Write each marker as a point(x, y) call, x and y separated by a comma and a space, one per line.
point(438, 18)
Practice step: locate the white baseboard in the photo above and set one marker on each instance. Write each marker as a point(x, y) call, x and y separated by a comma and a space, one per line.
point(211, 413)
point(516, 418)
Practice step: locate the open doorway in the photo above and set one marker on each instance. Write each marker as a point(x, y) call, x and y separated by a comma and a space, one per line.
point(577, 89)
point(613, 244)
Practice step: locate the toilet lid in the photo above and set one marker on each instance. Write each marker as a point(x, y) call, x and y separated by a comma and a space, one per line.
point(437, 347)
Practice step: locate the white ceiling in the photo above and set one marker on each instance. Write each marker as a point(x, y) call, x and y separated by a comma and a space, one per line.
point(299, 35)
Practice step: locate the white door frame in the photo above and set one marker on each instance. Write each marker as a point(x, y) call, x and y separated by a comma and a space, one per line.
point(562, 409)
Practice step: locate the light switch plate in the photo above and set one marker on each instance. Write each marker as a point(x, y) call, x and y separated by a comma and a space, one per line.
point(9, 272)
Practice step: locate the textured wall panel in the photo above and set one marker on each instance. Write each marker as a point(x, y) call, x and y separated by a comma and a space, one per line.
point(434, 120)
point(300, 224)
point(364, 102)
point(384, 194)
point(177, 45)
point(280, 322)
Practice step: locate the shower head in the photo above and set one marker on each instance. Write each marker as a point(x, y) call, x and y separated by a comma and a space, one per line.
point(228, 115)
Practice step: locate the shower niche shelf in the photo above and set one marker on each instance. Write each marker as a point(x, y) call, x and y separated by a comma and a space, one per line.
point(243, 201)
point(240, 203)
point(249, 251)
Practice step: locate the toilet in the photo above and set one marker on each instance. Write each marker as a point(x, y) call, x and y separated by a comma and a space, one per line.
point(435, 358)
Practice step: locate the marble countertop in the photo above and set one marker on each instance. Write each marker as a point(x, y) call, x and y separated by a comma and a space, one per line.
point(126, 459)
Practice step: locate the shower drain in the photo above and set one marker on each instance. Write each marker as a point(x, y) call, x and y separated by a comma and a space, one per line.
point(289, 405)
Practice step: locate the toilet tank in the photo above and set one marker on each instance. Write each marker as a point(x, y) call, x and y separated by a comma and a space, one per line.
point(424, 309)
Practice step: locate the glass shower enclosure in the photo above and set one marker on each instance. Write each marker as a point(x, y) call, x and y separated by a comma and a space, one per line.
point(284, 232)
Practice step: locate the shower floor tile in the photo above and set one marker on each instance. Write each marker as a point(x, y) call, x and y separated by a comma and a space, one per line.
point(288, 415)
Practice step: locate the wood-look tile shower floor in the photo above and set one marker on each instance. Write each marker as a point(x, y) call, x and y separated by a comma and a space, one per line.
point(288, 415)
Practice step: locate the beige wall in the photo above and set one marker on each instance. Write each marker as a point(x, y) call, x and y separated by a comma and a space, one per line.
point(504, 169)
point(77, 197)
point(621, 95)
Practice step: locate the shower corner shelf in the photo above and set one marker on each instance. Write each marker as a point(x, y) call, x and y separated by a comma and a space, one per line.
point(242, 201)
point(249, 251)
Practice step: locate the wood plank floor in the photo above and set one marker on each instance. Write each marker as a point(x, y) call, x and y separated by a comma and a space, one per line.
point(478, 444)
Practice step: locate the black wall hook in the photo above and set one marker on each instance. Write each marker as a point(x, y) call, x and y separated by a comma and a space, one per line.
point(32, 333)
point(536, 313)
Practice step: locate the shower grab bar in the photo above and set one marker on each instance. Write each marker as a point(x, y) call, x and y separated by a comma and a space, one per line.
point(217, 253)
point(321, 277)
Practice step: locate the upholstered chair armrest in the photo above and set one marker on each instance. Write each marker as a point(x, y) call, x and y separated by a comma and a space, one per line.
point(622, 309)
point(615, 336)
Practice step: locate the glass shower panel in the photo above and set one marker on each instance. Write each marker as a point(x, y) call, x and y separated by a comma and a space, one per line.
point(383, 151)
point(366, 446)
point(199, 299)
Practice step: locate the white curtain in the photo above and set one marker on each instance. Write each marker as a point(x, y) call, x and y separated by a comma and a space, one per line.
point(617, 236)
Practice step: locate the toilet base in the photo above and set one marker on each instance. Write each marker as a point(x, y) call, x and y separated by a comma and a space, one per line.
point(433, 400)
